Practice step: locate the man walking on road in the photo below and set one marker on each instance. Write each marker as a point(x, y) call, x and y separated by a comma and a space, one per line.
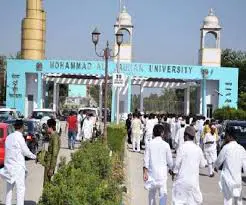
point(14, 171)
point(186, 189)
point(136, 132)
point(53, 150)
point(233, 159)
point(156, 159)
point(71, 129)
point(149, 129)
point(210, 150)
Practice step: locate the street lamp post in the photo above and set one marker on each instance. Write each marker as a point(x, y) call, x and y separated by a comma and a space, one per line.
point(15, 88)
point(106, 55)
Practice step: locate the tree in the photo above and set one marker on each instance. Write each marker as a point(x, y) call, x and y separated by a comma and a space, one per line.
point(237, 59)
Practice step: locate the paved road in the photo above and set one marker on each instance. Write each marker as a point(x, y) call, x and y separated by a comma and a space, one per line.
point(34, 180)
point(137, 195)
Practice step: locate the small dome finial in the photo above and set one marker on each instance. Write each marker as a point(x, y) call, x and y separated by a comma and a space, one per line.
point(211, 12)
point(124, 9)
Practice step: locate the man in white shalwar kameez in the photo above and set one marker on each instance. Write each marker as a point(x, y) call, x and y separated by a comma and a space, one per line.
point(149, 130)
point(156, 159)
point(186, 188)
point(136, 132)
point(233, 159)
point(210, 149)
point(79, 120)
point(175, 126)
point(14, 171)
point(87, 128)
point(179, 138)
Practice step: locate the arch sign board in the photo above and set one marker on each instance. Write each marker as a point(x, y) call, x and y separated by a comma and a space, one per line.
point(18, 70)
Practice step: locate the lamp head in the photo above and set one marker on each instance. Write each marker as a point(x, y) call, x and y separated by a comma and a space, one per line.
point(95, 36)
point(119, 37)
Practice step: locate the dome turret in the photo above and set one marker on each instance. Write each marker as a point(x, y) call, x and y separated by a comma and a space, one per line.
point(124, 18)
point(211, 21)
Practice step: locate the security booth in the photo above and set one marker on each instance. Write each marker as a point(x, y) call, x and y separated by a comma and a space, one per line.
point(26, 80)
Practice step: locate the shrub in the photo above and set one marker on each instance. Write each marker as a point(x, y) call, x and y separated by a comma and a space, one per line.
point(227, 113)
point(116, 138)
point(87, 179)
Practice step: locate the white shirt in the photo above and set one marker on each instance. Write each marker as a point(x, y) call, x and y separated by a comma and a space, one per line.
point(150, 126)
point(233, 158)
point(79, 118)
point(136, 126)
point(156, 159)
point(15, 152)
point(186, 188)
point(200, 125)
point(174, 129)
point(87, 128)
point(209, 138)
point(179, 139)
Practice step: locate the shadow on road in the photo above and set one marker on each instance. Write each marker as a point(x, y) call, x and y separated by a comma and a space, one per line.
point(244, 179)
point(204, 175)
point(27, 203)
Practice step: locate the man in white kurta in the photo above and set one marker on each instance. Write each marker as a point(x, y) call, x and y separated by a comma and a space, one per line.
point(210, 149)
point(149, 130)
point(179, 138)
point(233, 159)
point(156, 159)
point(175, 126)
point(136, 132)
point(186, 188)
point(79, 120)
point(87, 128)
point(14, 171)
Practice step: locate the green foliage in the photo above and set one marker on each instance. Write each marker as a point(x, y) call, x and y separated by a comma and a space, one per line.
point(88, 179)
point(227, 113)
point(242, 101)
point(94, 93)
point(116, 138)
point(237, 59)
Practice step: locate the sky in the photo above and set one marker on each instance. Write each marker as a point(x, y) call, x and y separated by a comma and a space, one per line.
point(164, 31)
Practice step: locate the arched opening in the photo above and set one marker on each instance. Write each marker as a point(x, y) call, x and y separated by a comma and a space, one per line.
point(126, 36)
point(210, 40)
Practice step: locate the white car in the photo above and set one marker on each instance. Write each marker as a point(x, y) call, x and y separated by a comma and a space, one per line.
point(9, 114)
point(42, 115)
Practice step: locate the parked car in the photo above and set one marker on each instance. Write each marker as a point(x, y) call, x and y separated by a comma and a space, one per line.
point(239, 128)
point(5, 130)
point(33, 136)
point(32, 133)
point(10, 113)
point(42, 115)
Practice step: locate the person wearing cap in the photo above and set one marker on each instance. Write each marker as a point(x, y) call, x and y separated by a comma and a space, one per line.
point(210, 149)
point(233, 158)
point(53, 151)
point(179, 138)
point(157, 159)
point(186, 188)
point(14, 171)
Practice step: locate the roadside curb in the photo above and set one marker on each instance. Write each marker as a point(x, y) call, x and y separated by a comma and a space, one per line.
point(126, 196)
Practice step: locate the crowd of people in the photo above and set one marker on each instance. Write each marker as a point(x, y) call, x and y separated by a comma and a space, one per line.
point(79, 127)
point(196, 143)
